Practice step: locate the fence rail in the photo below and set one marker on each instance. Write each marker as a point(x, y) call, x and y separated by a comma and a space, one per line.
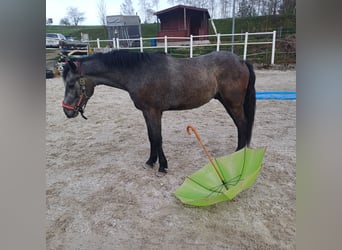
point(191, 42)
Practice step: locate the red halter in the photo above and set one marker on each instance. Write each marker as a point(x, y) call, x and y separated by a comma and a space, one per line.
point(70, 107)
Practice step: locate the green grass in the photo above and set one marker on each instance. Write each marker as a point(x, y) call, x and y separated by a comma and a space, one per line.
point(94, 32)
point(49, 51)
point(149, 30)
point(257, 24)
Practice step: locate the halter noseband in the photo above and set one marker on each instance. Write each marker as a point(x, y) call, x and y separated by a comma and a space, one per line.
point(82, 101)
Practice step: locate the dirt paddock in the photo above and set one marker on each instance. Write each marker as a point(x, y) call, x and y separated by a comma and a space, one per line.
point(98, 195)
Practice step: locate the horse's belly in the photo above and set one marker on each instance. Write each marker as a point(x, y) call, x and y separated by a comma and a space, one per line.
point(191, 95)
point(183, 101)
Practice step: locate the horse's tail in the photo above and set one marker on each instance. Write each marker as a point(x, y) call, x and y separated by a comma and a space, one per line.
point(250, 102)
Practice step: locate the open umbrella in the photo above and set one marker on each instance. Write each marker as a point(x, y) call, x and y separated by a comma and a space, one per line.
point(222, 178)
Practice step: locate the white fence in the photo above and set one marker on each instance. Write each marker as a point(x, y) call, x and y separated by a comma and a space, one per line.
point(189, 42)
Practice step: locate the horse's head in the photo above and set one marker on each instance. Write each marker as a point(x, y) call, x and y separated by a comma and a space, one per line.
point(78, 90)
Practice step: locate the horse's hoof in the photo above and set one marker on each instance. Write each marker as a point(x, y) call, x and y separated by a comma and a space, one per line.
point(147, 166)
point(161, 173)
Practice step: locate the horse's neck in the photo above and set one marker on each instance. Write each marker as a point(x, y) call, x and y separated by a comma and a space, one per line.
point(108, 79)
point(99, 75)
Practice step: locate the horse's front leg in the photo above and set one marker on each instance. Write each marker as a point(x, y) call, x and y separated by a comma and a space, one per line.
point(153, 149)
point(153, 123)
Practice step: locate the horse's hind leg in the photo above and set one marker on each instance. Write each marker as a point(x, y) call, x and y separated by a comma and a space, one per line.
point(236, 112)
point(153, 123)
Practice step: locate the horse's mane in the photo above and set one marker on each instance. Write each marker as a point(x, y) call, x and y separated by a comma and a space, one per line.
point(122, 58)
point(118, 59)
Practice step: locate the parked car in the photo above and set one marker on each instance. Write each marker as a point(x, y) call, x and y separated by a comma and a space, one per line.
point(69, 38)
point(49, 74)
point(70, 45)
point(54, 40)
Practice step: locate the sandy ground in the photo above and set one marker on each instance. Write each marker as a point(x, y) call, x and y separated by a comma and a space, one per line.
point(98, 195)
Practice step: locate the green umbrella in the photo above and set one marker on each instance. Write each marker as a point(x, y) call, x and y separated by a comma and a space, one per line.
point(221, 179)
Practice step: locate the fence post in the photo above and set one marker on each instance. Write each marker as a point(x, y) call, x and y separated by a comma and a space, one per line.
point(273, 47)
point(114, 43)
point(218, 42)
point(117, 43)
point(98, 43)
point(191, 45)
point(141, 45)
point(165, 44)
point(245, 46)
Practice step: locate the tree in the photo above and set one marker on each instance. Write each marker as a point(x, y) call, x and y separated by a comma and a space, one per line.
point(64, 21)
point(149, 15)
point(263, 7)
point(211, 8)
point(75, 16)
point(155, 4)
point(246, 9)
point(273, 7)
point(225, 7)
point(146, 10)
point(102, 11)
point(288, 7)
point(194, 3)
point(127, 8)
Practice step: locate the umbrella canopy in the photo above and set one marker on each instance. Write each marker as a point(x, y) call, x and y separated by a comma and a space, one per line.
point(221, 179)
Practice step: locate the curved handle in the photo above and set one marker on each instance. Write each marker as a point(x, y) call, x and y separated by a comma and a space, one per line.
point(190, 128)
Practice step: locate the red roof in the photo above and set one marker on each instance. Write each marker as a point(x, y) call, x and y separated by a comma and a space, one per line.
point(161, 12)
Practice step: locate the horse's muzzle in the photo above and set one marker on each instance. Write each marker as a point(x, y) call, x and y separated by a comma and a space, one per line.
point(70, 113)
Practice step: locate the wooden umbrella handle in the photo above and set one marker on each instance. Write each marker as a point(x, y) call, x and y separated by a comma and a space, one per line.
point(188, 129)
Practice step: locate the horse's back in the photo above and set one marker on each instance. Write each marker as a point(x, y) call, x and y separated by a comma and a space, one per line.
point(223, 60)
point(227, 66)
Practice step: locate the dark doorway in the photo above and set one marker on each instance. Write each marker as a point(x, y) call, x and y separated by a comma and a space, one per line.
point(195, 25)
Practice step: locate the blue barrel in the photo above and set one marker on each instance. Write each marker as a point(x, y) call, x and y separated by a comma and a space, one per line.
point(153, 42)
